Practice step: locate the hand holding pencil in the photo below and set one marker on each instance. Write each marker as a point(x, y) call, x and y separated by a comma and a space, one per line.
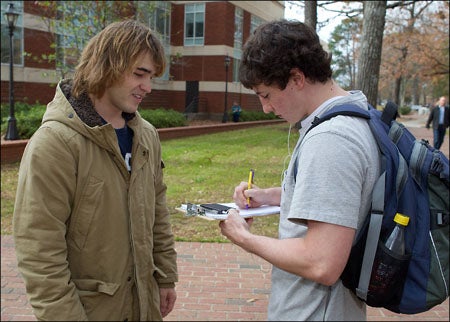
point(248, 195)
point(251, 176)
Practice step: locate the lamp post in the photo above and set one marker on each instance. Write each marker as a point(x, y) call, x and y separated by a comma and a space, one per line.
point(225, 113)
point(11, 17)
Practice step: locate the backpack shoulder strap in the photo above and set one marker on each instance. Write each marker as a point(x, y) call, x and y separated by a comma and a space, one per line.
point(344, 109)
point(375, 216)
point(390, 113)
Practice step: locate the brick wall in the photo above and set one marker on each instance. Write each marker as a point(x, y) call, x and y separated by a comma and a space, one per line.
point(28, 92)
point(219, 23)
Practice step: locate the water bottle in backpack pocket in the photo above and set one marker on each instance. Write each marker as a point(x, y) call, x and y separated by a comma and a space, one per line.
point(390, 266)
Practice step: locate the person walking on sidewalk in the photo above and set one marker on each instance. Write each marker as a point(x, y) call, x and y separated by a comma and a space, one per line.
point(440, 120)
point(91, 225)
point(286, 66)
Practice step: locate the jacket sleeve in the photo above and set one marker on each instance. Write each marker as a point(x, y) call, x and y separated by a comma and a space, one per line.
point(47, 180)
point(447, 116)
point(430, 118)
point(164, 253)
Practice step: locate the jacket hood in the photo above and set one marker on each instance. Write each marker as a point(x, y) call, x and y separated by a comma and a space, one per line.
point(79, 115)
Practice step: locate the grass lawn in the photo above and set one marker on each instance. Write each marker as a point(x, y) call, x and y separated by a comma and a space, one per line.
point(202, 169)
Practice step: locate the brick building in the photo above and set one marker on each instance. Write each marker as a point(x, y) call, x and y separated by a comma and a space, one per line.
point(199, 38)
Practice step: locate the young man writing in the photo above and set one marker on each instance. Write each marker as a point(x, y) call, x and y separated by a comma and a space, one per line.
point(326, 191)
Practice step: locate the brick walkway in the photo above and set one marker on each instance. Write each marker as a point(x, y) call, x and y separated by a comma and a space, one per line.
point(218, 282)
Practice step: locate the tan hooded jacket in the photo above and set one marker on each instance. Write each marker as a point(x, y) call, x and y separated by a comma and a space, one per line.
point(93, 240)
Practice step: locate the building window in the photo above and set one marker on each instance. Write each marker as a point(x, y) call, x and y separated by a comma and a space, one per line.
point(157, 15)
point(77, 22)
point(236, 64)
point(238, 27)
point(238, 40)
point(254, 23)
point(194, 24)
point(17, 37)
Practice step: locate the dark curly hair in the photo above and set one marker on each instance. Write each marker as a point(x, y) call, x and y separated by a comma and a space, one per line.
point(276, 47)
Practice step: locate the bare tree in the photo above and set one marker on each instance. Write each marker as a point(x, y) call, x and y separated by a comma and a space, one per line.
point(372, 41)
point(70, 24)
point(343, 44)
point(311, 13)
point(407, 32)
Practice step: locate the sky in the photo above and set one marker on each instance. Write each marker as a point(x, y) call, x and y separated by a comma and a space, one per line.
point(294, 12)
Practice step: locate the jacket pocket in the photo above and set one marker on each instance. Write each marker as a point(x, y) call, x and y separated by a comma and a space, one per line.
point(85, 210)
point(96, 286)
point(97, 298)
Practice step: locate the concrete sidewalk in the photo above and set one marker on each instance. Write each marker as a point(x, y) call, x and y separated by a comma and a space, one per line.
point(218, 282)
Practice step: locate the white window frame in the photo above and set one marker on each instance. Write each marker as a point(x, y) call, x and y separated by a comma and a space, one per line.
point(17, 36)
point(255, 21)
point(65, 39)
point(160, 13)
point(238, 41)
point(194, 13)
point(238, 28)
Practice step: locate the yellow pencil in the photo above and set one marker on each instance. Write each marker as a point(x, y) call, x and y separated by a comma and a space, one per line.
point(249, 186)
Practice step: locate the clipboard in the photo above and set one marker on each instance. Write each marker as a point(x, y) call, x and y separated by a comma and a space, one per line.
point(245, 213)
point(216, 208)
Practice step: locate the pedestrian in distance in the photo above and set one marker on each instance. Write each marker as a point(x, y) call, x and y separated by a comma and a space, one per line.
point(91, 225)
point(326, 191)
point(236, 111)
point(440, 119)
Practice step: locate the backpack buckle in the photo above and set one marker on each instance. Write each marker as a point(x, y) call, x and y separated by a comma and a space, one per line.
point(439, 219)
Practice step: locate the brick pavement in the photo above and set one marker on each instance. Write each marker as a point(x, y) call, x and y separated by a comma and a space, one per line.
point(218, 282)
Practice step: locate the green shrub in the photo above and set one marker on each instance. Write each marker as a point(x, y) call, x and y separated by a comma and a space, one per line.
point(405, 110)
point(18, 107)
point(162, 118)
point(247, 116)
point(28, 118)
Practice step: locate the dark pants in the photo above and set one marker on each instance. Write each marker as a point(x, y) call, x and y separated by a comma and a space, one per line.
point(235, 117)
point(438, 136)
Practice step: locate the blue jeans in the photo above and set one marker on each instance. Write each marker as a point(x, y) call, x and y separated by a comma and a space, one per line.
point(438, 136)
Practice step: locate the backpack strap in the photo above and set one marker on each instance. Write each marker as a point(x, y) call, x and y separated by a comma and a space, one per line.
point(373, 234)
point(377, 209)
point(376, 214)
point(395, 132)
point(344, 109)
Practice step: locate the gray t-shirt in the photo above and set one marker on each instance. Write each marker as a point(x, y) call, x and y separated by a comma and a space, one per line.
point(337, 166)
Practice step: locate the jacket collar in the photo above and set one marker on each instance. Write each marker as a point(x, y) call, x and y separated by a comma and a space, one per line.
point(84, 108)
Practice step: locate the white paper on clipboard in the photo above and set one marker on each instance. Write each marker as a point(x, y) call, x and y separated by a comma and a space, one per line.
point(245, 213)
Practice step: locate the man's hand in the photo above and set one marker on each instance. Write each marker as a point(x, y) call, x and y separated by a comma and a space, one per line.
point(168, 297)
point(235, 228)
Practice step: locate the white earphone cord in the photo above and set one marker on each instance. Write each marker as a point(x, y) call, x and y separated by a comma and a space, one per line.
point(286, 159)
